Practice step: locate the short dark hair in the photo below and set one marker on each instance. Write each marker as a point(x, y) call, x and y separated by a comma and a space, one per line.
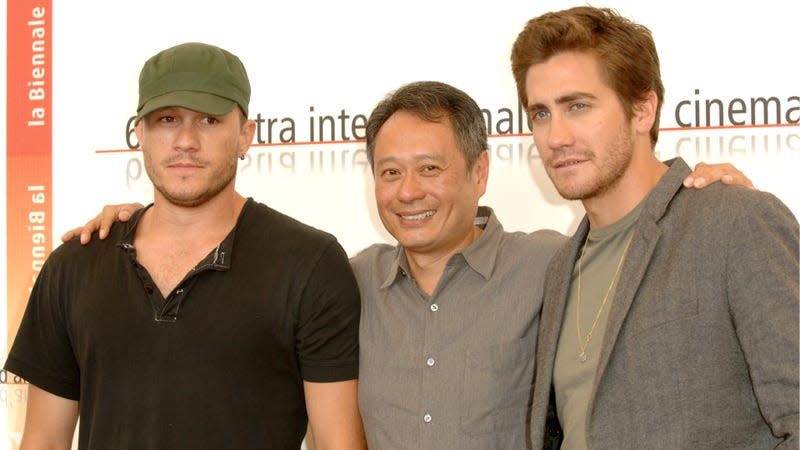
point(433, 101)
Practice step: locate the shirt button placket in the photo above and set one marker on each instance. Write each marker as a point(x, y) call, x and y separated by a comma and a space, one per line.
point(430, 377)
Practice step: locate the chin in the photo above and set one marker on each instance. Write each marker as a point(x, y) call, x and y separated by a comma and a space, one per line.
point(574, 191)
point(411, 242)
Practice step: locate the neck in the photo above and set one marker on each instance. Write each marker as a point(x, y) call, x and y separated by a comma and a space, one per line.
point(427, 268)
point(627, 191)
point(212, 219)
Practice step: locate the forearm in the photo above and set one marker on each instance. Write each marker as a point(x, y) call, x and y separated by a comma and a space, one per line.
point(49, 421)
point(333, 415)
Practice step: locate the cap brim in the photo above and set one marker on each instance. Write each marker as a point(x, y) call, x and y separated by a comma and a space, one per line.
point(197, 101)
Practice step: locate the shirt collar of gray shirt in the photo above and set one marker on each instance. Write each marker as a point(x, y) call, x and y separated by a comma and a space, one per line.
point(480, 255)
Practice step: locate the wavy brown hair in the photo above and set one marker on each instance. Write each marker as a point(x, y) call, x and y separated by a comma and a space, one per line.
point(625, 49)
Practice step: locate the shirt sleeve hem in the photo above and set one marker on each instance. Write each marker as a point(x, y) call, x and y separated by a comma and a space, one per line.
point(50, 384)
point(328, 374)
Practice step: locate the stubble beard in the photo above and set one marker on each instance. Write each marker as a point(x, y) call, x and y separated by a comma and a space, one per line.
point(619, 154)
point(218, 181)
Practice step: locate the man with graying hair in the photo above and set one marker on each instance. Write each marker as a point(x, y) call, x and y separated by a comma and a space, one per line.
point(449, 315)
point(209, 321)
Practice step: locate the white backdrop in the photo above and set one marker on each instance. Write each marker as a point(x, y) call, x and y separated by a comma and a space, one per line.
point(339, 58)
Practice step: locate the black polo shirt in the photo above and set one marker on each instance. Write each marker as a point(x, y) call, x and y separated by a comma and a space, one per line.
point(219, 363)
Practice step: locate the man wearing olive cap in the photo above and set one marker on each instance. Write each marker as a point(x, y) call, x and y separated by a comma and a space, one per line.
point(206, 321)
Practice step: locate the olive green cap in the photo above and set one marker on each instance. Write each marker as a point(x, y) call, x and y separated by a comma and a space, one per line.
point(196, 76)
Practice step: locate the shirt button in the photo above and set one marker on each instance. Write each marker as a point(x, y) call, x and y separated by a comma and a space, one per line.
point(430, 362)
point(434, 307)
point(427, 418)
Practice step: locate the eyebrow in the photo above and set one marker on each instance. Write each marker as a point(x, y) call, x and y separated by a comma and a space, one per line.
point(422, 157)
point(566, 98)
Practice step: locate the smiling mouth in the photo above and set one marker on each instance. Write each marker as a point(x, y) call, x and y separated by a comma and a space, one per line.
point(420, 216)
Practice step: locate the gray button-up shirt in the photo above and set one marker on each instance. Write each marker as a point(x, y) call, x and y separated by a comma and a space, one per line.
point(453, 370)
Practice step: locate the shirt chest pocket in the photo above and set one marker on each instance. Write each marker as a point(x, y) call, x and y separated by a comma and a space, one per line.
point(497, 384)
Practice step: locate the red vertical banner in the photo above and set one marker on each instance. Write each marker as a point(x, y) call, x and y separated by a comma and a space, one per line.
point(29, 149)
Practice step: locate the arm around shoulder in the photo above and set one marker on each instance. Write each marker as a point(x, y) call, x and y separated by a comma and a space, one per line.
point(49, 421)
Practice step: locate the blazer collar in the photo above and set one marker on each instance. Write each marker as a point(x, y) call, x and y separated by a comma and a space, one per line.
point(634, 269)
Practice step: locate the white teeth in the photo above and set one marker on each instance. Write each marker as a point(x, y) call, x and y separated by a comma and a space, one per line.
point(567, 163)
point(419, 216)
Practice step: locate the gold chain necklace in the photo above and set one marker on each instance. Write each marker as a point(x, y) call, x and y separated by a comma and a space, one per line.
point(584, 343)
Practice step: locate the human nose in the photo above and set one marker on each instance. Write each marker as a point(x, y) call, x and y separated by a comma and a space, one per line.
point(187, 138)
point(559, 133)
point(410, 189)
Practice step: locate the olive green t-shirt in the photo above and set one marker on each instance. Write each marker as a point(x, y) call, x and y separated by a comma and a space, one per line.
point(573, 374)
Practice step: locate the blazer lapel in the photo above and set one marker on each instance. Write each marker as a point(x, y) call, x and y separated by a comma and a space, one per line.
point(637, 261)
point(633, 271)
point(556, 290)
point(555, 299)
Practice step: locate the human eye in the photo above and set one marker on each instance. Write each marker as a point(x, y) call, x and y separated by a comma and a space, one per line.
point(209, 120)
point(389, 173)
point(578, 106)
point(430, 169)
point(538, 115)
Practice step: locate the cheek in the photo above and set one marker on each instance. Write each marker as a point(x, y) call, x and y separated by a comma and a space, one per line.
point(541, 145)
point(383, 195)
point(235, 144)
point(148, 164)
point(155, 147)
point(448, 191)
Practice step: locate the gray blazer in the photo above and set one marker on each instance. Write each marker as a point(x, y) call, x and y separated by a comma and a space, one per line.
point(701, 349)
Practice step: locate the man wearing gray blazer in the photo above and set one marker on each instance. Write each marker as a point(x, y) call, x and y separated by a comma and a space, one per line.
point(670, 319)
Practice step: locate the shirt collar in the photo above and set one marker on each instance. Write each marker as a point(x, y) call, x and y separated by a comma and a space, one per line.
point(218, 259)
point(480, 255)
